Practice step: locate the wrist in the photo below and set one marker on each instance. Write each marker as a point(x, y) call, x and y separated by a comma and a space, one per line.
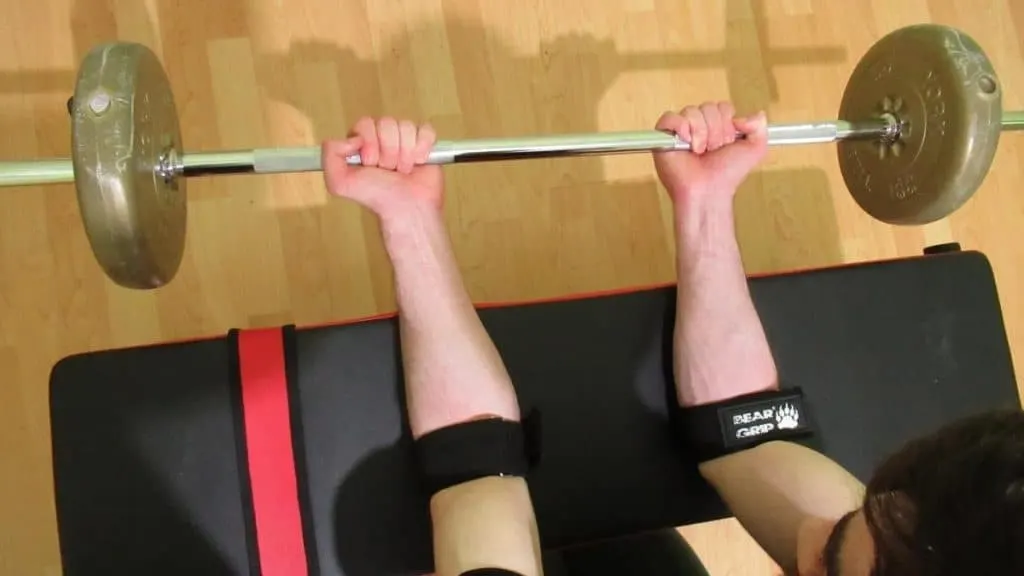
point(404, 221)
point(704, 225)
point(699, 199)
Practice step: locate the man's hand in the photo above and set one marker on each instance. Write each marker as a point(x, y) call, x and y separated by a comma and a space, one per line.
point(717, 162)
point(393, 177)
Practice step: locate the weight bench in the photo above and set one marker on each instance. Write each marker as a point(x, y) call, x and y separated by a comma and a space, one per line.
point(160, 470)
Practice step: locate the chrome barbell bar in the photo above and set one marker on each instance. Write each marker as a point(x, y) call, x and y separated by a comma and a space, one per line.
point(307, 159)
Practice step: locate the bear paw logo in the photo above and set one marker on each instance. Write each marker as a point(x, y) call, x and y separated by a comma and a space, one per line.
point(787, 417)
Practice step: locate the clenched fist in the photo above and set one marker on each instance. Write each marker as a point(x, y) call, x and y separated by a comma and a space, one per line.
point(394, 176)
point(718, 160)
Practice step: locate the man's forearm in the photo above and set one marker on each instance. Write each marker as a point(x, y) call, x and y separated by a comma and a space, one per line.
point(721, 352)
point(453, 372)
point(720, 346)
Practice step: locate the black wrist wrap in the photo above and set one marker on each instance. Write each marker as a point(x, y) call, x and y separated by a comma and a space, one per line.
point(493, 447)
point(714, 430)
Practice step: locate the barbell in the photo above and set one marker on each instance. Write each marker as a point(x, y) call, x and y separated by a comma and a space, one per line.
point(919, 124)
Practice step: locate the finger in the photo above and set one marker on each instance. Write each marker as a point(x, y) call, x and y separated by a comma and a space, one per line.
point(348, 148)
point(425, 140)
point(728, 113)
point(674, 123)
point(713, 117)
point(667, 121)
point(334, 159)
point(344, 148)
point(754, 128)
point(390, 141)
point(369, 152)
point(698, 129)
point(407, 146)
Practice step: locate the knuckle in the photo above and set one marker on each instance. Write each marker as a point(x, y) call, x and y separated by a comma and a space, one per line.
point(365, 127)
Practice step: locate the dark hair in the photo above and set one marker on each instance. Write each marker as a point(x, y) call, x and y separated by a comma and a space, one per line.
point(952, 503)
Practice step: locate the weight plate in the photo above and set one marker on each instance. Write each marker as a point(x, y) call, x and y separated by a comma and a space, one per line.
point(940, 85)
point(124, 128)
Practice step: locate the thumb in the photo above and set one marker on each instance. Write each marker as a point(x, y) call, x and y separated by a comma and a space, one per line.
point(334, 160)
point(744, 155)
point(754, 128)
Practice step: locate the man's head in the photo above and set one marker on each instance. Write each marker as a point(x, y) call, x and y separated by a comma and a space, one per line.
point(948, 503)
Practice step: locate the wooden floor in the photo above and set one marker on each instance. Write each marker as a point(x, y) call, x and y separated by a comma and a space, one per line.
point(270, 250)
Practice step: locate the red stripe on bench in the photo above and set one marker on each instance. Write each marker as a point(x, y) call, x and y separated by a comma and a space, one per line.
point(268, 439)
